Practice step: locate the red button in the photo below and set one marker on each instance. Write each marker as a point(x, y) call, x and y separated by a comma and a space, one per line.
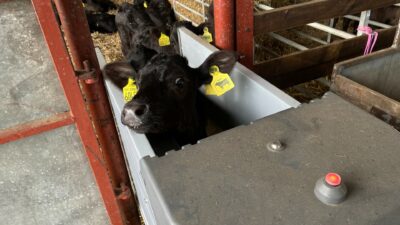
point(333, 179)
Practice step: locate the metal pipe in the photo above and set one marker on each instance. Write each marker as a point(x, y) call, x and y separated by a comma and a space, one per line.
point(66, 74)
point(329, 36)
point(331, 30)
point(364, 21)
point(302, 34)
point(245, 31)
point(35, 127)
point(288, 42)
point(396, 42)
point(202, 2)
point(224, 24)
point(374, 23)
point(78, 39)
point(319, 26)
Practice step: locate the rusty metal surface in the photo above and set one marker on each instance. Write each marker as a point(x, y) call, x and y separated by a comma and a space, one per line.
point(78, 38)
point(245, 32)
point(35, 127)
point(224, 22)
point(233, 178)
point(29, 87)
point(65, 70)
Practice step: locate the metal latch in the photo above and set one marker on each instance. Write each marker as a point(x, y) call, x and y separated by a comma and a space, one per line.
point(88, 74)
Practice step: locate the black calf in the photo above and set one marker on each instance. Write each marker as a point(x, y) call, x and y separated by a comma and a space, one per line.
point(160, 13)
point(168, 96)
point(99, 5)
point(101, 22)
point(136, 28)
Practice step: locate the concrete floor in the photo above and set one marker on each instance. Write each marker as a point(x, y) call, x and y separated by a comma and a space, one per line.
point(44, 179)
point(28, 86)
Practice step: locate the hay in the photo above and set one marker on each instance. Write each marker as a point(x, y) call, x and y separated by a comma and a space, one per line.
point(109, 44)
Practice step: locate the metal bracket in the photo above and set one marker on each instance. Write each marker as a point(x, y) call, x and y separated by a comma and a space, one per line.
point(88, 74)
point(123, 193)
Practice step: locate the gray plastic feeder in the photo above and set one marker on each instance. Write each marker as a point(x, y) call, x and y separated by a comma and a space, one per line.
point(252, 98)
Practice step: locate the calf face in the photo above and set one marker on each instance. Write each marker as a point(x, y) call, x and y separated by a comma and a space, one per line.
point(135, 28)
point(161, 13)
point(166, 100)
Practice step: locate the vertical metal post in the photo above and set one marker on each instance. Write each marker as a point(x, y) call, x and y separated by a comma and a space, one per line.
point(396, 42)
point(331, 23)
point(245, 31)
point(203, 10)
point(224, 24)
point(97, 129)
point(364, 20)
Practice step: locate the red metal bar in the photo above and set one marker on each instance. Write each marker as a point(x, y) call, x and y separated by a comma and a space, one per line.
point(224, 24)
point(78, 38)
point(245, 31)
point(35, 127)
point(99, 162)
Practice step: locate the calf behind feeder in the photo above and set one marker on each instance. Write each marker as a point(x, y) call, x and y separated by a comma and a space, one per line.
point(142, 25)
point(168, 102)
point(136, 28)
point(98, 18)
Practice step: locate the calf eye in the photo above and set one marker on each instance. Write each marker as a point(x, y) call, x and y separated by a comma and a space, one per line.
point(179, 82)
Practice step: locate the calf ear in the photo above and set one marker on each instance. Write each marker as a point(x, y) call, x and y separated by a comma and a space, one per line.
point(225, 60)
point(119, 72)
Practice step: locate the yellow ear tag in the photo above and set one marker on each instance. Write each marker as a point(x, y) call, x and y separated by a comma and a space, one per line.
point(145, 4)
point(220, 84)
point(164, 40)
point(130, 90)
point(207, 36)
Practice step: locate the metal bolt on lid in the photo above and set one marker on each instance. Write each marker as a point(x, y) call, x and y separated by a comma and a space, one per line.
point(330, 189)
point(275, 146)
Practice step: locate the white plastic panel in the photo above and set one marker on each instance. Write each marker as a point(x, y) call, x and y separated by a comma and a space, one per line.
point(252, 98)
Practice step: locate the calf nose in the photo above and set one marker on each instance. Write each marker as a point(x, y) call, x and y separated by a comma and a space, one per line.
point(133, 113)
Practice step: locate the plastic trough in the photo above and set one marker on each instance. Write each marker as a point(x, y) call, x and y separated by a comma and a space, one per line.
point(253, 98)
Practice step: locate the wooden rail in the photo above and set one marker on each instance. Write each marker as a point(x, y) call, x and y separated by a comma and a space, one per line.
point(300, 14)
point(313, 63)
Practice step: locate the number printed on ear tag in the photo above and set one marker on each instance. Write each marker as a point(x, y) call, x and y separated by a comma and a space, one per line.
point(130, 90)
point(220, 84)
point(164, 40)
point(207, 36)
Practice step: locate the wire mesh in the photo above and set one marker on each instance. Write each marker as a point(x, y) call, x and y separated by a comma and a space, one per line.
point(192, 10)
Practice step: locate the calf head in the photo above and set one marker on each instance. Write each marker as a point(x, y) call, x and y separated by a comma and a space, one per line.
point(135, 27)
point(166, 100)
